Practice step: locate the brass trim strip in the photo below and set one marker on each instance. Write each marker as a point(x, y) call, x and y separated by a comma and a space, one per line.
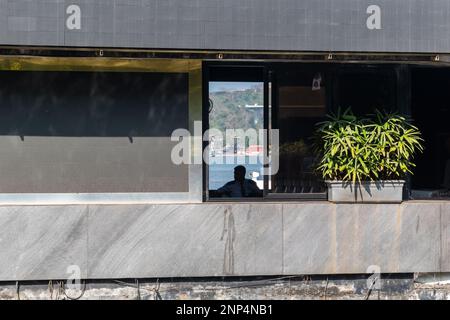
point(38, 63)
point(217, 54)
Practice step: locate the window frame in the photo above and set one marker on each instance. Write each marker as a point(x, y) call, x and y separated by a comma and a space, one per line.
point(332, 71)
point(269, 75)
point(192, 67)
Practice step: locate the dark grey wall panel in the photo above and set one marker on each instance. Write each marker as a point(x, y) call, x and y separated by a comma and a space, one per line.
point(85, 132)
point(306, 25)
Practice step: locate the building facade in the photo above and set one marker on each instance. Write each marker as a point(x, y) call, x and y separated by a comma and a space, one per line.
point(91, 93)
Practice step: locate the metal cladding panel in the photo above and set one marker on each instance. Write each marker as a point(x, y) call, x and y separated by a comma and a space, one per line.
point(299, 25)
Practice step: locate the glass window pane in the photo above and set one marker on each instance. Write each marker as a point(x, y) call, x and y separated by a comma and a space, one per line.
point(301, 105)
point(235, 120)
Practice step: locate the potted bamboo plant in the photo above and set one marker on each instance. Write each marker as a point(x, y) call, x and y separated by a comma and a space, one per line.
point(366, 159)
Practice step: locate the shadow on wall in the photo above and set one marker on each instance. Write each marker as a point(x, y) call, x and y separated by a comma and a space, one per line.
point(104, 104)
point(91, 132)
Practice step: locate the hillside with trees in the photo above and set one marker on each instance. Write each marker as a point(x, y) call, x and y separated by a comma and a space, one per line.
point(229, 109)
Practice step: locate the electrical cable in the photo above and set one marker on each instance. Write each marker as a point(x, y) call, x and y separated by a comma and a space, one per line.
point(18, 290)
point(60, 291)
point(138, 290)
point(62, 287)
point(50, 289)
point(241, 284)
point(157, 295)
point(138, 287)
point(371, 288)
point(326, 289)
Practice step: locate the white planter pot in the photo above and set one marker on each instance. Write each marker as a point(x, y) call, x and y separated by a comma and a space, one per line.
point(366, 192)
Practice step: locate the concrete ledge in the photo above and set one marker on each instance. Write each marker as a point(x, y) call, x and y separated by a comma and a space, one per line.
point(222, 239)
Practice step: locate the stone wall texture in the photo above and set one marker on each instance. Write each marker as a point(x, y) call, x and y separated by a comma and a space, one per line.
point(222, 239)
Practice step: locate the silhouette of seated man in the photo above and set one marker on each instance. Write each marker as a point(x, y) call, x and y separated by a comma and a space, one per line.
point(240, 187)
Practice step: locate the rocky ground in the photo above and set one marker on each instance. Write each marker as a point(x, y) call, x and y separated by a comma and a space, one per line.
point(404, 287)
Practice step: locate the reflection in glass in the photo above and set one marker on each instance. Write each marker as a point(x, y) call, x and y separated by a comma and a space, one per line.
point(301, 104)
point(235, 106)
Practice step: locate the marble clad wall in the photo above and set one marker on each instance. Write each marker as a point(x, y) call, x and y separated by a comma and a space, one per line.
point(203, 240)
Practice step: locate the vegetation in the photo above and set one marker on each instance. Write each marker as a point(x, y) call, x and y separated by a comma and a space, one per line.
point(378, 147)
point(295, 148)
point(229, 111)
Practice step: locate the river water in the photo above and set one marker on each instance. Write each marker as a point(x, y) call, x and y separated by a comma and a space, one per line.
point(219, 174)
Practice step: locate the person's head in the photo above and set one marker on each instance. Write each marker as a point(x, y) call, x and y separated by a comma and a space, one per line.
point(239, 173)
